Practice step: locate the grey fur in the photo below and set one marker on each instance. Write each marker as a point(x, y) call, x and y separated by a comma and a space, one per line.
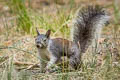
point(87, 26)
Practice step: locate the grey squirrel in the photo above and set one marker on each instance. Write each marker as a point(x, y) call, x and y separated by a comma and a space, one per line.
point(87, 25)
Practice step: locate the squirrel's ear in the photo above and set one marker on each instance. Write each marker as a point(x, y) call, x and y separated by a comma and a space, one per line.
point(38, 33)
point(48, 33)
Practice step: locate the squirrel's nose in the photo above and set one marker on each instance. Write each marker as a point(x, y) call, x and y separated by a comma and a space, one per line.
point(38, 46)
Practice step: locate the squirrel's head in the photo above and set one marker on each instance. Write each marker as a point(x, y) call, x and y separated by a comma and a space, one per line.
point(42, 39)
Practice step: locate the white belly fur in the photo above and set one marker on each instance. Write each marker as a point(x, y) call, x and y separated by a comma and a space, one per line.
point(44, 54)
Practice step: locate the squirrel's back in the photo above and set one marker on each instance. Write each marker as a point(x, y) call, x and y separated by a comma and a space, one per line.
point(87, 25)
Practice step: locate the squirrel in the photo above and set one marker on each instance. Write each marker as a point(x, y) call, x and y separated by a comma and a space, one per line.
point(87, 25)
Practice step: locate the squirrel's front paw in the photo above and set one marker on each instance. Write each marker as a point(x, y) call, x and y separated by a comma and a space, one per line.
point(51, 70)
point(48, 70)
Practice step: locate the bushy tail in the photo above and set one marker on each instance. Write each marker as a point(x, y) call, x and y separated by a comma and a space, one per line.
point(88, 24)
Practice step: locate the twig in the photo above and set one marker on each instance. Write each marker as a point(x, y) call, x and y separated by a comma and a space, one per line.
point(33, 66)
point(18, 63)
point(6, 47)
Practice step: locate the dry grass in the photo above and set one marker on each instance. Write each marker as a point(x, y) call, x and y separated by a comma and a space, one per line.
point(18, 53)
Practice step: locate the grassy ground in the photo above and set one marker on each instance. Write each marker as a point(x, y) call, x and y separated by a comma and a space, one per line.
point(18, 53)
